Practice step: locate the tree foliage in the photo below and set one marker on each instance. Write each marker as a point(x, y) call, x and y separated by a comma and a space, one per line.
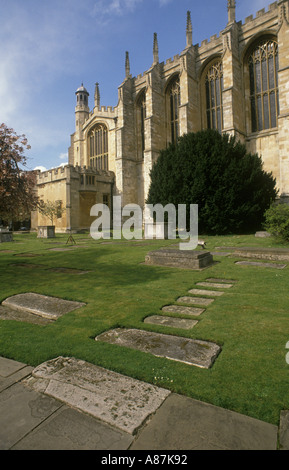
point(51, 209)
point(216, 172)
point(277, 221)
point(17, 195)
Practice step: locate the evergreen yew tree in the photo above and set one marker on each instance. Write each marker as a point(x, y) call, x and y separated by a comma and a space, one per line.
point(216, 172)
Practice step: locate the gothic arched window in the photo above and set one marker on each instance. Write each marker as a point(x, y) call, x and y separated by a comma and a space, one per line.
point(174, 101)
point(263, 73)
point(141, 115)
point(214, 89)
point(98, 147)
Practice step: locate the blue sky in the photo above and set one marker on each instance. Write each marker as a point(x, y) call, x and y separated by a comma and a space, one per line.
point(49, 47)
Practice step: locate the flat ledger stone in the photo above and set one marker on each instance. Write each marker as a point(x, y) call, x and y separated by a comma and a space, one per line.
point(213, 279)
point(179, 258)
point(171, 322)
point(215, 285)
point(194, 300)
point(116, 399)
point(183, 310)
point(42, 305)
point(189, 351)
point(7, 313)
point(261, 264)
point(210, 293)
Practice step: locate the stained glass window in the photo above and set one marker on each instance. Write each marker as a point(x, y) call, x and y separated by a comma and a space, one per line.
point(263, 73)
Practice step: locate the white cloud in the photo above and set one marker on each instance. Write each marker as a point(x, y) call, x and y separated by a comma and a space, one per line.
point(63, 156)
point(103, 9)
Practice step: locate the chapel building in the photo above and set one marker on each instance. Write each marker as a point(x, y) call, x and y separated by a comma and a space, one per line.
point(236, 82)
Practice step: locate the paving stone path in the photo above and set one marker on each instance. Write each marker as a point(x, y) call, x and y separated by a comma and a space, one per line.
point(195, 299)
point(190, 351)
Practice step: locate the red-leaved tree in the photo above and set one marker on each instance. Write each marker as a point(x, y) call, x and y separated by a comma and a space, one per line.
point(17, 185)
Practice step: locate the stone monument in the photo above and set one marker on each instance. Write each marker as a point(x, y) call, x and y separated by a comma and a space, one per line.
point(180, 258)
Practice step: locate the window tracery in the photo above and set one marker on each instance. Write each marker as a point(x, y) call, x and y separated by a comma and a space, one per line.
point(263, 76)
point(214, 87)
point(98, 147)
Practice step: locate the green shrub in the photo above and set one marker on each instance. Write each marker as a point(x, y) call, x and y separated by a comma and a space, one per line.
point(277, 221)
point(216, 172)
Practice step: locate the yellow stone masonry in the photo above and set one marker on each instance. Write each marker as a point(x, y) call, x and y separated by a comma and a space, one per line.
point(129, 137)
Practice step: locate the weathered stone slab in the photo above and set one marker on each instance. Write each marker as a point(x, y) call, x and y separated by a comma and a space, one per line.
point(210, 293)
point(42, 305)
point(68, 270)
point(61, 249)
point(263, 235)
point(194, 300)
point(27, 255)
point(190, 351)
point(214, 279)
point(183, 310)
point(6, 236)
point(220, 253)
point(171, 322)
point(261, 264)
point(111, 397)
point(179, 258)
point(7, 313)
point(27, 265)
point(46, 231)
point(214, 285)
point(267, 253)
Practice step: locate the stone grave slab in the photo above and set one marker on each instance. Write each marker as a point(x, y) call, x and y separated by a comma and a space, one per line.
point(220, 253)
point(61, 249)
point(261, 264)
point(210, 293)
point(194, 300)
point(171, 322)
point(189, 351)
point(179, 310)
point(27, 255)
point(213, 279)
point(214, 285)
point(41, 305)
point(68, 270)
point(179, 258)
point(27, 265)
point(7, 313)
point(116, 399)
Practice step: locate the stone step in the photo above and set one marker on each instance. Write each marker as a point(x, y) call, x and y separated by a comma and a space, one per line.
point(214, 285)
point(172, 322)
point(189, 351)
point(213, 279)
point(194, 300)
point(210, 293)
point(180, 310)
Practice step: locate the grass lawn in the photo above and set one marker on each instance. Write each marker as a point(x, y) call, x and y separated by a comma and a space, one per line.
point(250, 321)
